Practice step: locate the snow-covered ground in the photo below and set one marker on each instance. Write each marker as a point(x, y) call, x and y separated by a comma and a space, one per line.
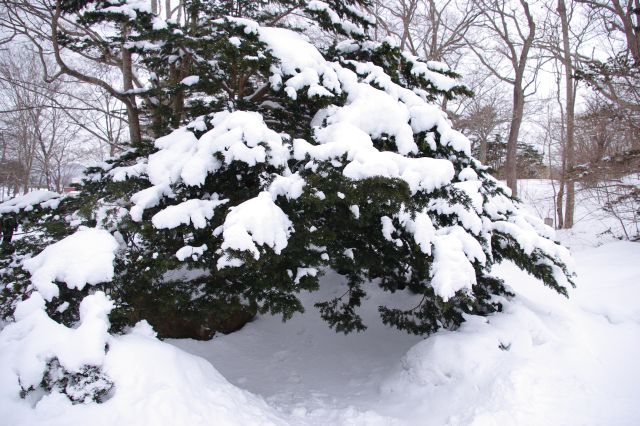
point(592, 225)
point(545, 360)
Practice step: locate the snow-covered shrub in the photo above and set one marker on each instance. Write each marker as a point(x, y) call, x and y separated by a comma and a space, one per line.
point(88, 384)
point(61, 372)
point(295, 159)
point(41, 356)
point(42, 222)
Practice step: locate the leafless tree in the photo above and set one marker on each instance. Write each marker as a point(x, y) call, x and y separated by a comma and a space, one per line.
point(506, 50)
point(434, 30)
point(564, 49)
point(481, 118)
point(42, 24)
point(38, 132)
point(570, 88)
point(618, 80)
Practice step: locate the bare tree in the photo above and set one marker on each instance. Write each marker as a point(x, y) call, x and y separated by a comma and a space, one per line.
point(37, 124)
point(482, 117)
point(564, 49)
point(42, 24)
point(567, 62)
point(435, 30)
point(617, 79)
point(511, 32)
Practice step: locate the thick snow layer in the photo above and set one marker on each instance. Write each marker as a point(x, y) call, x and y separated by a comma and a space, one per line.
point(190, 81)
point(421, 227)
point(366, 161)
point(300, 64)
point(451, 270)
point(27, 201)
point(196, 212)
point(85, 257)
point(349, 27)
point(520, 228)
point(375, 112)
point(34, 338)
point(393, 111)
point(238, 136)
point(129, 8)
point(544, 360)
point(190, 251)
point(427, 70)
point(290, 186)
point(256, 221)
point(154, 383)
point(120, 174)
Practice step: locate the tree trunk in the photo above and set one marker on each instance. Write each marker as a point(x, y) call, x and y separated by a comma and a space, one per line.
point(135, 135)
point(570, 100)
point(511, 166)
point(559, 202)
point(483, 150)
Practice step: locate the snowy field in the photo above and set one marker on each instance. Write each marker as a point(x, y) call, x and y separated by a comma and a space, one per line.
point(545, 360)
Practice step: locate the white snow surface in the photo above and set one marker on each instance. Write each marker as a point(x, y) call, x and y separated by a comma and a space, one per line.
point(34, 338)
point(155, 383)
point(544, 360)
point(591, 222)
point(190, 251)
point(238, 136)
point(190, 80)
point(85, 257)
point(28, 200)
point(256, 221)
point(451, 269)
point(196, 212)
point(348, 26)
point(562, 361)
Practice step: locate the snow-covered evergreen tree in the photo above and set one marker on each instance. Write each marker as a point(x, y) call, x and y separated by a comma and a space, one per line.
point(282, 158)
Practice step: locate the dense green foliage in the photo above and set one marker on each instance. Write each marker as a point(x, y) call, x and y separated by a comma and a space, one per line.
point(195, 296)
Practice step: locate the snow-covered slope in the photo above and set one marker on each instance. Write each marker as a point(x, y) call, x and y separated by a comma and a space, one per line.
point(155, 384)
point(592, 225)
point(545, 360)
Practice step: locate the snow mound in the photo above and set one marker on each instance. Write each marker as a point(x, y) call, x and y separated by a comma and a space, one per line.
point(85, 257)
point(543, 360)
point(58, 375)
point(34, 339)
point(153, 382)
